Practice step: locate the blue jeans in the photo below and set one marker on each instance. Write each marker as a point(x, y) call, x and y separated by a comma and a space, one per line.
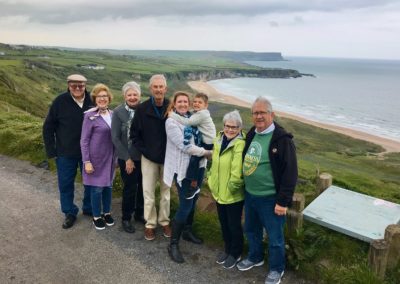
point(66, 173)
point(100, 195)
point(259, 213)
point(187, 206)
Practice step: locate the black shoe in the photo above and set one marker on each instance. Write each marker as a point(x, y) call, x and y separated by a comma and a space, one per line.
point(191, 192)
point(69, 221)
point(87, 213)
point(222, 256)
point(99, 224)
point(173, 247)
point(128, 226)
point(188, 235)
point(140, 219)
point(175, 253)
point(108, 219)
point(230, 262)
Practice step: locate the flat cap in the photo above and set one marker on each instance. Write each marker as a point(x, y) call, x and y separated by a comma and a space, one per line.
point(76, 78)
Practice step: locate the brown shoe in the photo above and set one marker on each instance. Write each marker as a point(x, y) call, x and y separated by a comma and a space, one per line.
point(167, 231)
point(149, 234)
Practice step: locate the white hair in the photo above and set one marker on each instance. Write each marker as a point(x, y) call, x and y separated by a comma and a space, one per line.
point(235, 116)
point(131, 85)
point(157, 77)
point(263, 100)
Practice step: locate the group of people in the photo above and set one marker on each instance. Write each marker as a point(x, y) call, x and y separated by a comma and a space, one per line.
point(162, 141)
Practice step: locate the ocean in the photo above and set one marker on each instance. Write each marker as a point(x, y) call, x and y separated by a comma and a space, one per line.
point(360, 94)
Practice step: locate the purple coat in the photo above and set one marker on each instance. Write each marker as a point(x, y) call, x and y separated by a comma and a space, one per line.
point(97, 147)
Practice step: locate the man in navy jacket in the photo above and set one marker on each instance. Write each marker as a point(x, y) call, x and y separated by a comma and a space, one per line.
point(61, 135)
point(149, 137)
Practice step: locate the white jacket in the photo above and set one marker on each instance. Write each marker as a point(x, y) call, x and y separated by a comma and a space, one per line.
point(202, 119)
point(177, 155)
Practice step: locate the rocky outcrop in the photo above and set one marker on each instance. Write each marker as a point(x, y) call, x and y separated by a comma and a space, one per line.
point(215, 74)
point(207, 75)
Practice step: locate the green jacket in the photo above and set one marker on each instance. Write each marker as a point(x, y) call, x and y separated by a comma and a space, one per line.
point(226, 177)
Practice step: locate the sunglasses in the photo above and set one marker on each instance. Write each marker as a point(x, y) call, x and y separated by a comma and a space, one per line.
point(77, 86)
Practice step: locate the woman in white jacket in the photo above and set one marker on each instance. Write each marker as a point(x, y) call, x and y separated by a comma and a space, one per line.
point(177, 159)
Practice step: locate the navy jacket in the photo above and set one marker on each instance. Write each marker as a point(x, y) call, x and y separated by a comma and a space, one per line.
point(148, 131)
point(63, 125)
point(282, 155)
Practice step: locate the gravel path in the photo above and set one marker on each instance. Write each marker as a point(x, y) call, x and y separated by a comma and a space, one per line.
point(35, 249)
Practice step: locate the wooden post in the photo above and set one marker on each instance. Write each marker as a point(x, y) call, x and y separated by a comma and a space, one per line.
point(298, 202)
point(392, 236)
point(377, 257)
point(294, 221)
point(294, 217)
point(324, 181)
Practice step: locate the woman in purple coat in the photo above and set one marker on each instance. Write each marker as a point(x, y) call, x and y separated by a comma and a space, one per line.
point(98, 155)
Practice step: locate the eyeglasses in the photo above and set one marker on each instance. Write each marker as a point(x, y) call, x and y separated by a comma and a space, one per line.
point(262, 113)
point(231, 127)
point(77, 86)
point(102, 97)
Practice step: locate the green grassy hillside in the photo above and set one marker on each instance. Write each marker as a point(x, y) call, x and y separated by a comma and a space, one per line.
point(30, 78)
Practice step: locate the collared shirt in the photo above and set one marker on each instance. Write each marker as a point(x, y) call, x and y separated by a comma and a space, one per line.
point(79, 102)
point(266, 131)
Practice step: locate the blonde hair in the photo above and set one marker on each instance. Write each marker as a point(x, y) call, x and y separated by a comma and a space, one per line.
point(99, 88)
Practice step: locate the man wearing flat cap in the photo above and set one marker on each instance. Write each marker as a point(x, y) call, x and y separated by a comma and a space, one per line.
point(61, 135)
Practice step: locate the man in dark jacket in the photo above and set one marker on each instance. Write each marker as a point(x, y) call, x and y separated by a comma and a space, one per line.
point(270, 175)
point(149, 137)
point(61, 135)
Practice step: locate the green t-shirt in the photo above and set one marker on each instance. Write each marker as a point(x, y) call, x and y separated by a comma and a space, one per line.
point(257, 170)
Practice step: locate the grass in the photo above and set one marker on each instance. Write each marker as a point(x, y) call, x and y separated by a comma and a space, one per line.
point(29, 82)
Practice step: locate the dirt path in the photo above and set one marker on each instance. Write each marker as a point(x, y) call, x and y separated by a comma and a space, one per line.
point(35, 249)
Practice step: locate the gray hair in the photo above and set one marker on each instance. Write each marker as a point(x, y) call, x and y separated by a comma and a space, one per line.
point(131, 85)
point(157, 77)
point(235, 116)
point(263, 100)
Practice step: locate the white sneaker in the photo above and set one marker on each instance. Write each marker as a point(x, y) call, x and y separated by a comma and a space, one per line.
point(274, 277)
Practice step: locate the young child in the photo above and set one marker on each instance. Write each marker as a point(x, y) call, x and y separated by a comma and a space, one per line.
point(200, 119)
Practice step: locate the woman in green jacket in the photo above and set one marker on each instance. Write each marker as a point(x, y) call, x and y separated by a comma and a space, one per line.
point(226, 185)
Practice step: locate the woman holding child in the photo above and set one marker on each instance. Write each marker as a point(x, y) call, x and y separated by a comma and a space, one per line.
point(175, 167)
point(227, 188)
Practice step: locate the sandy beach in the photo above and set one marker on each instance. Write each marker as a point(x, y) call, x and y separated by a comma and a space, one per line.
point(215, 95)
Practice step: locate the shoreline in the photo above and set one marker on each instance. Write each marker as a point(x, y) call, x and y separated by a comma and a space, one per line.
point(214, 95)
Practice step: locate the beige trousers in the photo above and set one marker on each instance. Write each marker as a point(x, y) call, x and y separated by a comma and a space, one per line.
point(153, 172)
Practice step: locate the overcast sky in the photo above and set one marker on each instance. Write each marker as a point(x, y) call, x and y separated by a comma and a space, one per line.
point(341, 28)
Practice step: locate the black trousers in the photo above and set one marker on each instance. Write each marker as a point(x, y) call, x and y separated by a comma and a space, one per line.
point(230, 218)
point(132, 193)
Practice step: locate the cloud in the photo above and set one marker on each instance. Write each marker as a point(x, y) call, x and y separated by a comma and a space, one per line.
point(351, 28)
point(62, 11)
point(273, 24)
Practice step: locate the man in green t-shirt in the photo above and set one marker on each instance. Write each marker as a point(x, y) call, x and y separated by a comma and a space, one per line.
point(270, 176)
